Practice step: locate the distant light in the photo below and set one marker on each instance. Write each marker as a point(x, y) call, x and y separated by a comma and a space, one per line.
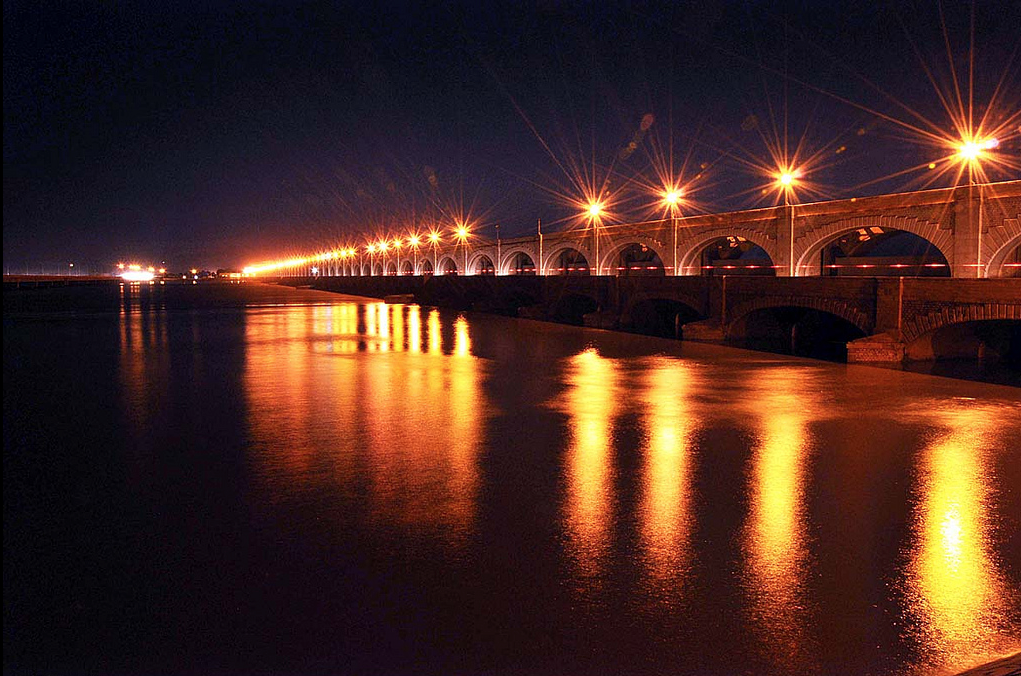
point(434, 237)
point(932, 165)
point(194, 271)
point(413, 240)
point(371, 248)
point(462, 232)
point(162, 271)
point(120, 266)
point(137, 276)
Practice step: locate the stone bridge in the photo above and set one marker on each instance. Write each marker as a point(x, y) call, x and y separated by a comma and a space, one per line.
point(971, 232)
point(886, 320)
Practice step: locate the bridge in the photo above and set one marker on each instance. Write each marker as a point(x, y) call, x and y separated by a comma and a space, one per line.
point(796, 277)
point(971, 231)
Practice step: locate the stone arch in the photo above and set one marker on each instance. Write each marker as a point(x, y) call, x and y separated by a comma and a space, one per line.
point(995, 266)
point(407, 267)
point(809, 244)
point(391, 269)
point(479, 258)
point(508, 254)
point(609, 256)
point(366, 270)
point(377, 270)
point(840, 308)
point(426, 267)
point(936, 319)
point(689, 249)
point(560, 247)
point(447, 265)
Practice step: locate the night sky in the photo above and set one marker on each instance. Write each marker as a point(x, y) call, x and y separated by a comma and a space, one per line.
point(217, 134)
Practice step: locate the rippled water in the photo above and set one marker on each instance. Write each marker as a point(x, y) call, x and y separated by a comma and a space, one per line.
point(203, 480)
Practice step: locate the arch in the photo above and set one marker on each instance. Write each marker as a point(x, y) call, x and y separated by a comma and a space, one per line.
point(508, 255)
point(808, 245)
point(607, 264)
point(567, 258)
point(377, 270)
point(481, 264)
point(407, 268)
point(989, 340)
point(391, 269)
point(426, 268)
point(735, 255)
point(520, 262)
point(447, 266)
point(840, 308)
point(366, 270)
point(690, 249)
point(662, 317)
point(947, 316)
point(795, 329)
point(1006, 260)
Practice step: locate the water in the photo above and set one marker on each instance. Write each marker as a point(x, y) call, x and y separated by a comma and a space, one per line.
point(235, 480)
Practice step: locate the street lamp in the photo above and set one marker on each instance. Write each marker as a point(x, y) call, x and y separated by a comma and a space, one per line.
point(462, 234)
point(672, 199)
point(594, 211)
point(434, 237)
point(413, 242)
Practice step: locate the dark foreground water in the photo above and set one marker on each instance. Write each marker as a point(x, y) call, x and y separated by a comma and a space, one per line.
point(234, 480)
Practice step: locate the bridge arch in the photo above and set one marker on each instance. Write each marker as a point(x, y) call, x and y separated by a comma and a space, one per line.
point(849, 312)
point(660, 316)
point(565, 255)
point(809, 245)
point(391, 269)
point(690, 248)
point(447, 265)
point(480, 263)
point(505, 266)
point(377, 270)
point(407, 267)
point(520, 261)
point(608, 264)
point(1006, 260)
point(425, 267)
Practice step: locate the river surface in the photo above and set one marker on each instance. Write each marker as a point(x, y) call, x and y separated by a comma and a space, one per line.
point(247, 479)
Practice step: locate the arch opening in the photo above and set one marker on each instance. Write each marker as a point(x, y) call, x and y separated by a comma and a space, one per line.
point(877, 251)
point(377, 270)
point(638, 260)
point(1011, 266)
point(569, 262)
point(989, 350)
point(661, 317)
point(391, 269)
point(521, 264)
point(407, 269)
point(427, 268)
point(484, 266)
point(799, 331)
point(735, 255)
point(448, 267)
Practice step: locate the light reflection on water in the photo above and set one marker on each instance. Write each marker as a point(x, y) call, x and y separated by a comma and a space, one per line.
point(389, 407)
point(959, 604)
point(670, 420)
point(775, 539)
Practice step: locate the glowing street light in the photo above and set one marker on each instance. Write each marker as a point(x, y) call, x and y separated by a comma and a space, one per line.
point(462, 233)
point(595, 209)
point(673, 197)
point(413, 242)
point(434, 237)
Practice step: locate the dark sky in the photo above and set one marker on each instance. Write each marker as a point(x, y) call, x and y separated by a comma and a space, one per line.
point(216, 134)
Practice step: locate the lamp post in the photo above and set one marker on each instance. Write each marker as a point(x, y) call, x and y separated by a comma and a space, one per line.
point(787, 179)
point(672, 199)
point(413, 242)
point(594, 210)
point(462, 235)
point(434, 237)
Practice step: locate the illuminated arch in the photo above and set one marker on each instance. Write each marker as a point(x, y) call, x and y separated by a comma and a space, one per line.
point(447, 265)
point(510, 255)
point(549, 264)
point(691, 247)
point(809, 244)
point(607, 262)
point(1000, 256)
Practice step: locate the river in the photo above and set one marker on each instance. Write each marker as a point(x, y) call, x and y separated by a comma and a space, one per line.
point(246, 479)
